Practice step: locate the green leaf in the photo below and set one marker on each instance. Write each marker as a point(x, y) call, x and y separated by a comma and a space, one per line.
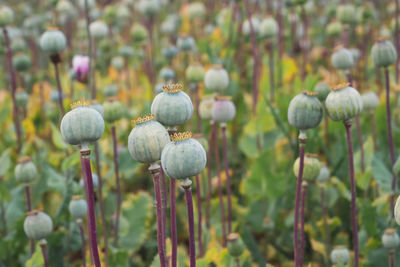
point(37, 258)
point(5, 161)
point(57, 138)
point(381, 174)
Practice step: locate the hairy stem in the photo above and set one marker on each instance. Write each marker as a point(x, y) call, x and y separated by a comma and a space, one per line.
point(199, 216)
point(119, 197)
point(228, 178)
point(174, 235)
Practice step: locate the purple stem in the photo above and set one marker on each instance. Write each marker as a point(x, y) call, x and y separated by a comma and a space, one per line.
point(228, 178)
point(13, 89)
point(197, 103)
point(237, 260)
point(199, 216)
point(353, 191)
point(271, 72)
point(326, 226)
point(119, 198)
point(59, 88)
point(44, 253)
point(397, 37)
point(82, 233)
point(29, 205)
point(209, 166)
point(85, 159)
point(192, 244)
point(391, 258)
point(302, 237)
point(155, 172)
point(390, 137)
point(220, 194)
point(360, 140)
point(164, 200)
point(174, 235)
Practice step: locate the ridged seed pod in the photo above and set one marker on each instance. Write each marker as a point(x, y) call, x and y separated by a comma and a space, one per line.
point(390, 239)
point(346, 14)
point(305, 111)
point(202, 140)
point(169, 52)
point(370, 101)
point(196, 10)
point(98, 29)
point(53, 41)
point(110, 90)
point(118, 62)
point(186, 43)
point(340, 255)
point(138, 33)
point(342, 58)
point(25, 171)
point(343, 103)
point(246, 30)
point(195, 73)
point(173, 106)
point(149, 7)
point(268, 28)
point(383, 53)
point(78, 207)
point(21, 62)
point(223, 109)
point(167, 74)
point(334, 29)
point(312, 167)
point(6, 16)
point(205, 107)
point(216, 79)
point(38, 225)
point(113, 110)
point(322, 90)
point(21, 97)
point(236, 246)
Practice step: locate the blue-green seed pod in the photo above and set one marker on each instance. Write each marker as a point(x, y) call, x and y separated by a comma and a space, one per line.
point(223, 110)
point(383, 53)
point(118, 63)
point(172, 107)
point(97, 106)
point(170, 52)
point(38, 225)
point(370, 101)
point(390, 239)
point(147, 140)
point(126, 51)
point(334, 29)
point(78, 207)
point(82, 125)
point(110, 90)
point(246, 26)
point(216, 79)
point(195, 73)
point(342, 58)
point(305, 111)
point(25, 172)
point(324, 174)
point(268, 28)
point(184, 157)
point(340, 255)
point(21, 62)
point(95, 180)
point(18, 45)
point(149, 7)
point(343, 103)
point(53, 41)
point(98, 29)
point(167, 74)
point(138, 33)
point(322, 90)
point(346, 14)
point(205, 107)
point(6, 16)
point(22, 98)
point(312, 167)
point(186, 43)
point(235, 244)
point(113, 110)
point(397, 211)
point(196, 10)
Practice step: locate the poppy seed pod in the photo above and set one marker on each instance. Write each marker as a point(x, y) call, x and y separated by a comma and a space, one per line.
point(25, 171)
point(65, 7)
point(216, 79)
point(346, 14)
point(82, 125)
point(18, 45)
point(97, 106)
point(186, 43)
point(312, 167)
point(53, 41)
point(390, 239)
point(147, 140)
point(343, 103)
point(370, 101)
point(98, 29)
point(172, 107)
point(113, 110)
point(126, 51)
point(110, 90)
point(78, 207)
point(305, 111)
point(21, 97)
point(383, 53)
point(324, 174)
point(322, 90)
point(196, 10)
point(342, 58)
point(167, 74)
point(195, 73)
point(334, 29)
point(138, 33)
point(205, 107)
point(6, 16)
point(246, 26)
point(223, 109)
point(118, 62)
point(397, 211)
point(21, 62)
point(236, 246)
point(169, 52)
point(149, 7)
point(268, 28)
point(184, 157)
point(340, 255)
point(38, 225)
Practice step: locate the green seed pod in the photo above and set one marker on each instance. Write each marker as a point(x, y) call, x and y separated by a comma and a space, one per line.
point(65, 7)
point(82, 4)
point(186, 43)
point(6, 16)
point(184, 157)
point(173, 106)
point(346, 14)
point(169, 52)
point(268, 28)
point(305, 111)
point(21, 62)
point(324, 174)
point(202, 140)
point(82, 125)
point(340, 255)
point(342, 58)
point(390, 239)
point(168, 27)
point(138, 33)
point(370, 101)
point(312, 167)
point(355, 53)
point(236, 246)
point(216, 79)
point(38, 225)
point(25, 172)
point(167, 74)
point(196, 10)
point(110, 90)
point(397, 211)
point(98, 29)
point(223, 109)
point(53, 41)
point(78, 207)
point(246, 26)
point(149, 7)
point(383, 53)
point(97, 106)
point(113, 110)
point(322, 90)
point(334, 29)
point(343, 103)
point(118, 63)
point(147, 140)
point(195, 73)
point(21, 97)
point(205, 107)
point(126, 51)
point(18, 45)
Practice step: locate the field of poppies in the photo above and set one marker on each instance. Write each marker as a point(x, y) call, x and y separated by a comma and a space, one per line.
point(227, 133)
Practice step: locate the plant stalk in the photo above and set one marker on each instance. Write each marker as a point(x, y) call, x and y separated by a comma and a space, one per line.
point(325, 220)
point(59, 87)
point(44, 253)
point(174, 235)
point(271, 72)
point(228, 178)
point(209, 177)
point(187, 184)
point(391, 258)
point(117, 182)
point(373, 128)
point(303, 204)
point(29, 206)
point(82, 233)
point(199, 216)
